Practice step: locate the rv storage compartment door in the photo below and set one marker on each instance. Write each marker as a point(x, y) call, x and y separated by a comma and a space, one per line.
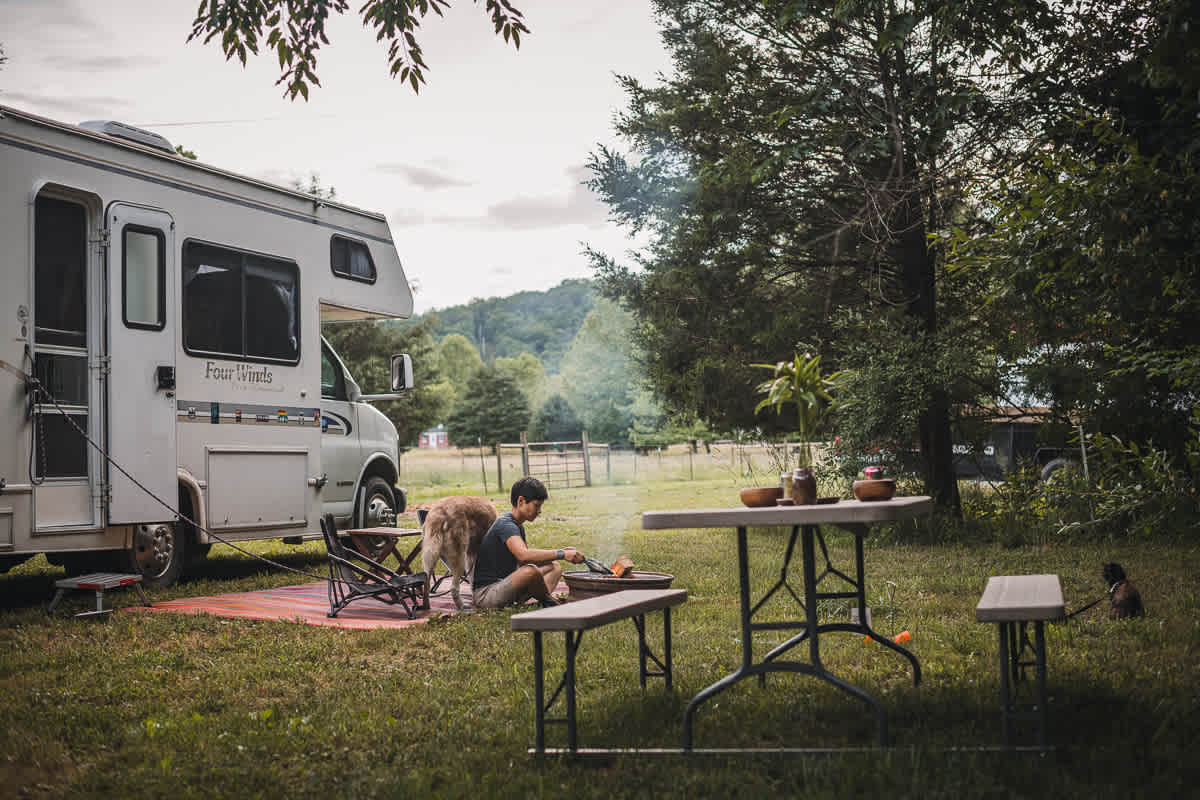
point(257, 489)
point(141, 349)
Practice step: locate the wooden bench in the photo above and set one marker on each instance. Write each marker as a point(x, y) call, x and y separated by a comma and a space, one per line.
point(573, 619)
point(1014, 601)
point(97, 582)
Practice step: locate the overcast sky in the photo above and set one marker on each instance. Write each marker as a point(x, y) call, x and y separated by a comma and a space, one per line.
point(479, 175)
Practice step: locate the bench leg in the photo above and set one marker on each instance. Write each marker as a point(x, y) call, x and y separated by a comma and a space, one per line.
point(539, 694)
point(1014, 641)
point(1005, 694)
point(1043, 712)
point(667, 646)
point(572, 646)
point(645, 655)
point(58, 595)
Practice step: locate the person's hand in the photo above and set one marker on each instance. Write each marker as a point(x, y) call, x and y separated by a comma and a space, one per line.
point(572, 555)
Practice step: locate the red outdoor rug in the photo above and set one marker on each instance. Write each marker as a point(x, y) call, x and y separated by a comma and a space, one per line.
point(309, 604)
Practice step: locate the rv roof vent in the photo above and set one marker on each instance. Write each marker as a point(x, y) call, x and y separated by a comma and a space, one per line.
point(128, 132)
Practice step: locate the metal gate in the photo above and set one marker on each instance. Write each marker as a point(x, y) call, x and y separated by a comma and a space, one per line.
point(559, 465)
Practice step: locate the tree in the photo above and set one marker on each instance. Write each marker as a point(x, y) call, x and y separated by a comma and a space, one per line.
point(556, 421)
point(492, 410)
point(791, 173)
point(295, 31)
point(529, 375)
point(600, 376)
point(367, 347)
point(185, 153)
point(1093, 249)
point(458, 360)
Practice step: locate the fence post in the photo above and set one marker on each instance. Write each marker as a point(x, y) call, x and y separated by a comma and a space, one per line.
point(691, 469)
point(499, 470)
point(482, 464)
point(608, 462)
point(524, 454)
point(587, 461)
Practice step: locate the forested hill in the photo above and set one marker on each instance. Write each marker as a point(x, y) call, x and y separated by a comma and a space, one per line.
point(540, 323)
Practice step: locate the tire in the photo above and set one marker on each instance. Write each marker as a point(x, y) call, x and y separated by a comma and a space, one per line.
point(158, 554)
point(375, 508)
point(376, 504)
point(1051, 471)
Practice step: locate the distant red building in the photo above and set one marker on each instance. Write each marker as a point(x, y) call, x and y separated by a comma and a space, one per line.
point(434, 439)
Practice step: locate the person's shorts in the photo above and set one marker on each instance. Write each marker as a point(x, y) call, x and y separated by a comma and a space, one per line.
point(498, 594)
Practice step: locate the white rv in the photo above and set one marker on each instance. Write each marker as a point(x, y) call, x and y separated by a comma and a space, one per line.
point(172, 312)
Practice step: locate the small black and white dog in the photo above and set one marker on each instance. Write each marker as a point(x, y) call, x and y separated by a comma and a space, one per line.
point(1123, 597)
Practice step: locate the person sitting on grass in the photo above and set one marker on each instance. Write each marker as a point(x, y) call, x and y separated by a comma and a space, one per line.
point(507, 570)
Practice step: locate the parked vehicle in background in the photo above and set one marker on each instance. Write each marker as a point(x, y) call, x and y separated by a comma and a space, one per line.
point(1014, 441)
point(171, 311)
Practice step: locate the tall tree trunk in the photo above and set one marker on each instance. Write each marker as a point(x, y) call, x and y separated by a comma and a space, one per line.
point(919, 268)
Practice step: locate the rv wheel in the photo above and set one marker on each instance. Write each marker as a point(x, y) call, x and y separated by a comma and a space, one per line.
point(375, 510)
point(158, 554)
point(375, 507)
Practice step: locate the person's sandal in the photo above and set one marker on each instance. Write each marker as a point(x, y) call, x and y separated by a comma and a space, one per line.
point(549, 602)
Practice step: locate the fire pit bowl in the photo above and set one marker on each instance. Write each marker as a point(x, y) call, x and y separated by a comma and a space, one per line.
point(590, 584)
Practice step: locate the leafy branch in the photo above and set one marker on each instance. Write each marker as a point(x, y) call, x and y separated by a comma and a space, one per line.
point(295, 30)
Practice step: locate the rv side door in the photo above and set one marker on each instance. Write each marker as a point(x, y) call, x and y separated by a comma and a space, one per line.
point(141, 351)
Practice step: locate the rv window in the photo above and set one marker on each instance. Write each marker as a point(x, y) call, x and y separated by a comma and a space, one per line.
point(271, 306)
point(65, 377)
point(333, 383)
point(65, 451)
point(240, 305)
point(143, 274)
point(60, 264)
point(351, 259)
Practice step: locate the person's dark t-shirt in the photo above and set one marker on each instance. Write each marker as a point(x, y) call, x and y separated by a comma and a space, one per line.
point(495, 561)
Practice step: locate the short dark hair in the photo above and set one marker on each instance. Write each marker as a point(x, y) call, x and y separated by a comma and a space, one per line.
point(530, 488)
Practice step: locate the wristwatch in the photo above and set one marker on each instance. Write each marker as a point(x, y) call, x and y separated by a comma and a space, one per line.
point(560, 555)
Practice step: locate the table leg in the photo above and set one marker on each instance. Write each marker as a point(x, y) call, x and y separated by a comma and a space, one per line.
point(862, 604)
point(811, 631)
point(747, 642)
point(812, 623)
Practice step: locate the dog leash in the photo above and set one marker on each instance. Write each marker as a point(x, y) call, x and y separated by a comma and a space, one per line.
point(1085, 608)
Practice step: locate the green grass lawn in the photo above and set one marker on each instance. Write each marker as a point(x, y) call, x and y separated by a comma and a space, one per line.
point(165, 705)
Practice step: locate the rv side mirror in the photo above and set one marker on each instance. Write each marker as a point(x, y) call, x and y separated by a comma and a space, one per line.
point(402, 373)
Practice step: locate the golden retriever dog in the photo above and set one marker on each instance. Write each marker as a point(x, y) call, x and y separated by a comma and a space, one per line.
point(453, 529)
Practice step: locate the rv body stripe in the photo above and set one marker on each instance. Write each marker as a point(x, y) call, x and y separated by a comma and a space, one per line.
point(215, 412)
point(185, 187)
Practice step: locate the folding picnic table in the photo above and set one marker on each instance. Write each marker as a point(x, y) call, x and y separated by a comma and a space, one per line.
point(804, 521)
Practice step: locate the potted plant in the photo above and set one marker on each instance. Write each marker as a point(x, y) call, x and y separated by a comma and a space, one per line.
point(799, 382)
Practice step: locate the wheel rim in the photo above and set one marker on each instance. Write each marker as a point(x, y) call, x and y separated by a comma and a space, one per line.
point(154, 550)
point(378, 512)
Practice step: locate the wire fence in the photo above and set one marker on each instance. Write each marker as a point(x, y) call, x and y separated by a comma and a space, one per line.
point(480, 470)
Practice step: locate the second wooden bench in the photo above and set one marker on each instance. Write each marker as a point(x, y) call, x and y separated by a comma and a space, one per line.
point(576, 617)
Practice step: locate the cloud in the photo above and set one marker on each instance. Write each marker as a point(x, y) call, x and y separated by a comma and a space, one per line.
point(103, 63)
point(48, 20)
point(402, 217)
point(66, 108)
point(576, 206)
point(424, 177)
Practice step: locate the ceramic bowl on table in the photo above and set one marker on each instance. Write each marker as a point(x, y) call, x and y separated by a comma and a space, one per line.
point(877, 489)
point(761, 496)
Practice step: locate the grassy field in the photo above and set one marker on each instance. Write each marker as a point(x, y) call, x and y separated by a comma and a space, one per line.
point(175, 706)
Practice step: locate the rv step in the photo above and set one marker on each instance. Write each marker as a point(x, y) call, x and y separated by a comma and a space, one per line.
point(97, 582)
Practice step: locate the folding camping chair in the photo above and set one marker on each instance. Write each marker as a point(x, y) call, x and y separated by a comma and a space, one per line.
point(353, 576)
